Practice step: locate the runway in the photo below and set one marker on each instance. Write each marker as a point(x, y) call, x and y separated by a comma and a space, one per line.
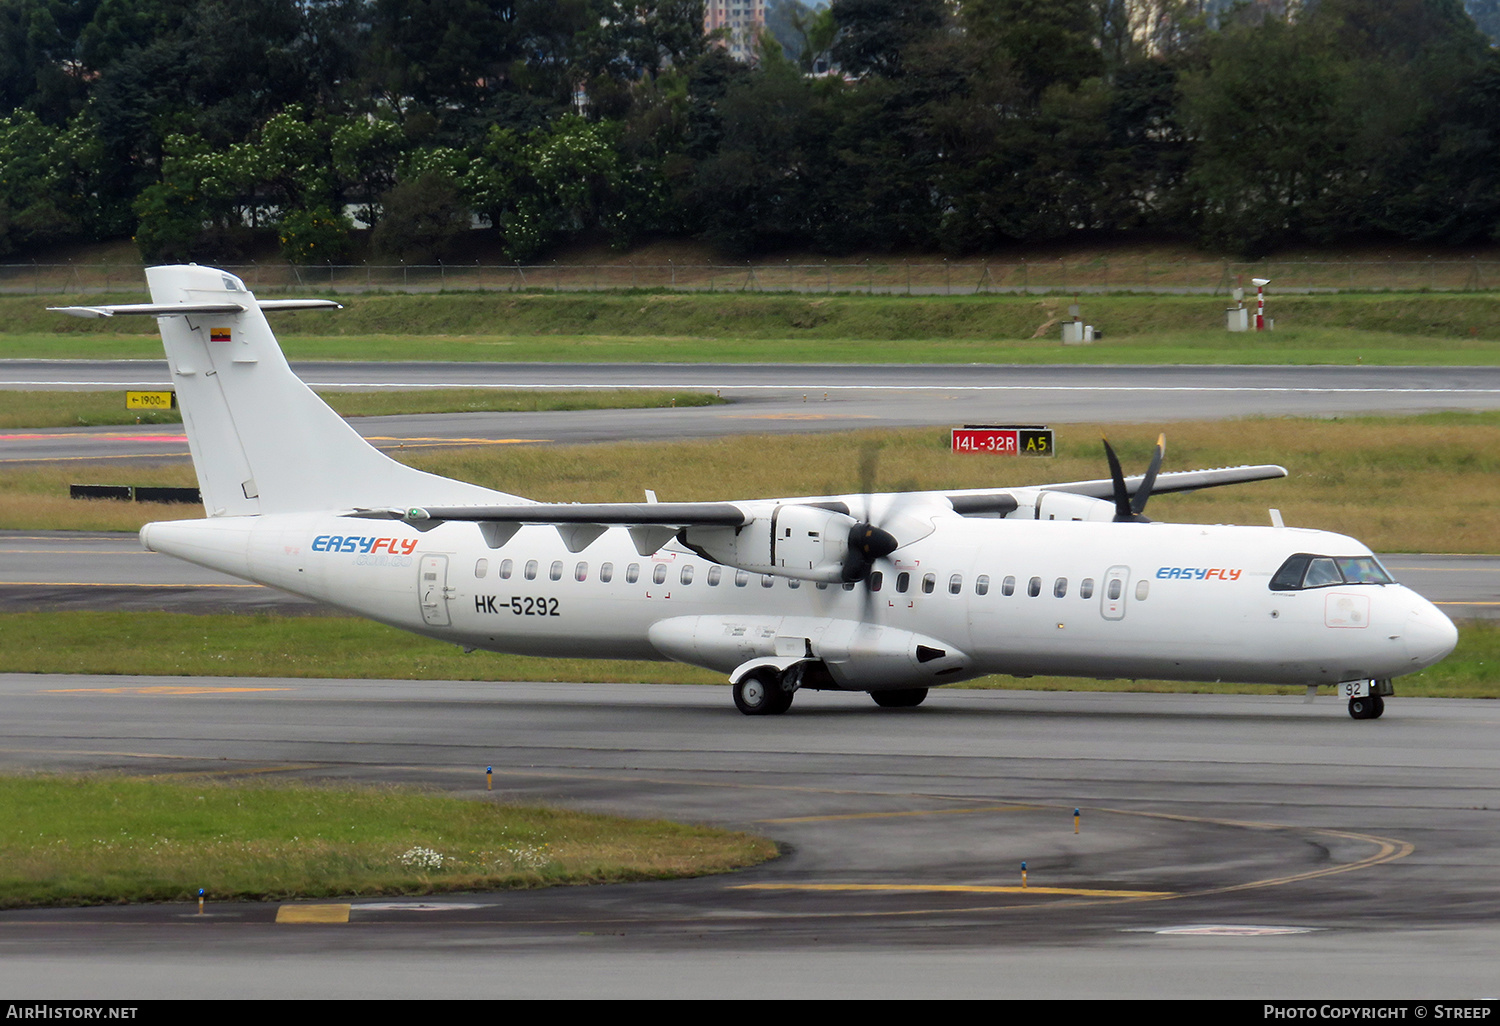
point(782, 399)
point(1229, 846)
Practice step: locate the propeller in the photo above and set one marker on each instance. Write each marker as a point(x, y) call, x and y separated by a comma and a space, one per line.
point(867, 542)
point(1130, 510)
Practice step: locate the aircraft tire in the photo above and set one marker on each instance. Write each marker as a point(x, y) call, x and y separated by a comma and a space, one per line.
point(1365, 708)
point(902, 698)
point(1377, 708)
point(756, 695)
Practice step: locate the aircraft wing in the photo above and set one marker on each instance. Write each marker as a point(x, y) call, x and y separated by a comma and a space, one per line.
point(613, 514)
point(653, 524)
point(1169, 481)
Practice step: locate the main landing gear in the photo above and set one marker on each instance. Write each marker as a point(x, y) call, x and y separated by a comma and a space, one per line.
point(1368, 708)
point(763, 692)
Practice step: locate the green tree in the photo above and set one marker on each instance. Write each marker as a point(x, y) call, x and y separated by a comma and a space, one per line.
point(1045, 42)
point(875, 36)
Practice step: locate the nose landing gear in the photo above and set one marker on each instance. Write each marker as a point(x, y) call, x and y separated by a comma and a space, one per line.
point(1367, 697)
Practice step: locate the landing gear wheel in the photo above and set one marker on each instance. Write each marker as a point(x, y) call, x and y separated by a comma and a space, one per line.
point(1379, 703)
point(1368, 708)
point(903, 698)
point(761, 694)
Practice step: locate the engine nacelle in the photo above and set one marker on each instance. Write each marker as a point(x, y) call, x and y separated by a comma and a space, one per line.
point(1050, 505)
point(809, 543)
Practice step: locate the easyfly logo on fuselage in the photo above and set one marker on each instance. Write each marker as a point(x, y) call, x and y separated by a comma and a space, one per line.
point(364, 544)
point(1197, 573)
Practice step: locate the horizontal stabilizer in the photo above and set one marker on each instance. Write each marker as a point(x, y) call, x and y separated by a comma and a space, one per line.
point(184, 309)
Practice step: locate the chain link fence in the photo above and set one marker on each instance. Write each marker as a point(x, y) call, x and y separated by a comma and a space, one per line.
point(904, 278)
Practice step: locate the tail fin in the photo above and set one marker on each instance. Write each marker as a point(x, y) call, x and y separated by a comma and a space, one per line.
point(262, 441)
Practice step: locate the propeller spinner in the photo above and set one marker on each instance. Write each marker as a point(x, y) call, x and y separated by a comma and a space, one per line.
point(867, 543)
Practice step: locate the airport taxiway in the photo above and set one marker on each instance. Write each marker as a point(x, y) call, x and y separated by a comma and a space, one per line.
point(782, 399)
point(1230, 846)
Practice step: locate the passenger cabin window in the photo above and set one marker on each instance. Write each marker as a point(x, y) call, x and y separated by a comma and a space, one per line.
point(632, 573)
point(793, 583)
point(741, 578)
point(766, 580)
point(1034, 587)
point(530, 571)
point(1060, 587)
point(555, 570)
point(1142, 589)
point(581, 572)
point(715, 575)
point(481, 567)
point(929, 583)
point(955, 584)
point(982, 584)
point(903, 581)
point(1008, 587)
point(877, 579)
point(1086, 588)
point(1115, 589)
point(1305, 570)
point(659, 575)
point(507, 567)
point(606, 572)
point(686, 577)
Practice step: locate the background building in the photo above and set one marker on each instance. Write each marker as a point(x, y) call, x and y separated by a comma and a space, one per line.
point(743, 18)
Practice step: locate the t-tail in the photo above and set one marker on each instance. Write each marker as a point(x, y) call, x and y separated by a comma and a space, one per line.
point(262, 441)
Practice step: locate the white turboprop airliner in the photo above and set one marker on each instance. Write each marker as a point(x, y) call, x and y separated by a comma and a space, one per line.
point(888, 593)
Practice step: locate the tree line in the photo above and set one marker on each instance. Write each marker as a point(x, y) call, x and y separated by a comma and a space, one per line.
point(198, 126)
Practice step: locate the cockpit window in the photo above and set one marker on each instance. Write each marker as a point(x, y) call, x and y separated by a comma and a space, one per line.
point(1363, 570)
point(1321, 573)
point(1306, 570)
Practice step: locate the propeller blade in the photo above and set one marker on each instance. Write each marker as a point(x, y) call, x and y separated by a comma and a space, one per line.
point(1138, 504)
point(1123, 512)
point(869, 461)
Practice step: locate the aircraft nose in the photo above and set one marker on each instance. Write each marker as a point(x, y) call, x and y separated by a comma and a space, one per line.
point(1429, 635)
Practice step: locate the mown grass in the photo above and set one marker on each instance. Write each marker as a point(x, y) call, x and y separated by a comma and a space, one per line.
point(1417, 328)
point(28, 409)
point(1400, 484)
point(106, 839)
point(268, 645)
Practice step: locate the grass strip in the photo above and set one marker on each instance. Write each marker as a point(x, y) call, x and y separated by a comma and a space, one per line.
point(108, 839)
point(1400, 484)
point(1288, 345)
point(269, 645)
point(1395, 328)
point(36, 410)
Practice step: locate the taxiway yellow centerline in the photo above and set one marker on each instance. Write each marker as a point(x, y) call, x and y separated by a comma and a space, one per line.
point(313, 913)
point(892, 815)
point(1072, 892)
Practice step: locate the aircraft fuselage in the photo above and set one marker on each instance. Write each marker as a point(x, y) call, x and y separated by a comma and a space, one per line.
point(978, 596)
